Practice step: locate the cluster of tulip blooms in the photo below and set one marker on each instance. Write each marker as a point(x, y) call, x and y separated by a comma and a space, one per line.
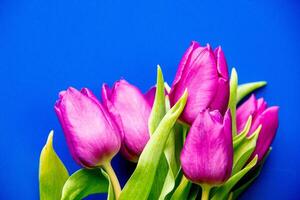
point(193, 139)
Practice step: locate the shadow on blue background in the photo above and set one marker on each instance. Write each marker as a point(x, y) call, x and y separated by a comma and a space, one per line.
point(46, 46)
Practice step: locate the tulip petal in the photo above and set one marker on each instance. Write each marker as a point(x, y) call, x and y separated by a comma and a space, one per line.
point(221, 63)
point(261, 106)
point(185, 59)
point(244, 111)
point(207, 154)
point(150, 95)
point(269, 121)
point(134, 112)
point(90, 136)
point(220, 101)
point(201, 80)
point(106, 93)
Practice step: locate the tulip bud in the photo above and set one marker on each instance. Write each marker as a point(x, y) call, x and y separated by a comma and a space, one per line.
point(127, 103)
point(205, 75)
point(92, 137)
point(207, 154)
point(261, 115)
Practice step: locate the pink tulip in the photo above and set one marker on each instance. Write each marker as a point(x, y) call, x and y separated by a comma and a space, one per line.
point(261, 115)
point(205, 75)
point(125, 102)
point(92, 136)
point(207, 154)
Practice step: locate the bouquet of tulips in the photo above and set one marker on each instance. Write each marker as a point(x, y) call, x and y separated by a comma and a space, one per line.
point(192, 140)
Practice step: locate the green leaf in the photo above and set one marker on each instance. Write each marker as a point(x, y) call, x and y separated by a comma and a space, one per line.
point(223, 191)
point(85, 182)
point(167, 87)
point(245, 89)
point(183, 190)
point(110, 192)
point(173, 148)
point(140, 183)
point(52, 173)
point(178, 178)
point(169, 164)
point(194, 191)
point(232, 99)
point(159, 109)
point(244, 150)
point(241, 136)
point(250, 177)
point(172, 154)
point(157, 113)
point(161, 176)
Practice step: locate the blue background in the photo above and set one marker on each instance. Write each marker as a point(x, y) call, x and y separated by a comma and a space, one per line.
point(46, 46)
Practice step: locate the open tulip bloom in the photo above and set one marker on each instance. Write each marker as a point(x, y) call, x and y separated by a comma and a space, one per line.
point(195, 139)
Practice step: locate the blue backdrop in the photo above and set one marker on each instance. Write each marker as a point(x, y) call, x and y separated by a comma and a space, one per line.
point(46, 46)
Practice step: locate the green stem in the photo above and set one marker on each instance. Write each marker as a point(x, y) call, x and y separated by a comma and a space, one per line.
point(205, 192)
point(183, 189)
point(113, 179)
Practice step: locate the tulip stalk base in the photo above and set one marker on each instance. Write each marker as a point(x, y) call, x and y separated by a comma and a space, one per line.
point(113, 179)
point(205, 192)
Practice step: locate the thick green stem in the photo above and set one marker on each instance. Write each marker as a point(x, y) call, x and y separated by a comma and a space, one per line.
point(205, 192)
point(113, 179)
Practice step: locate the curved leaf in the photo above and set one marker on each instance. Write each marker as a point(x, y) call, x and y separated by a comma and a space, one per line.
point(168, 165)
point(157, 113)
point(241, 136)
point(139, 185)
point(110, 192)
point(245, 89)
point(194, 191)
point(159, 109)
point(52, 173)
point(250, 177)
point(232, 99)
point(223, 191)
point(83, 183)
point(244, 150)
point(161, 176)
point(183, 190)
point(172, 153)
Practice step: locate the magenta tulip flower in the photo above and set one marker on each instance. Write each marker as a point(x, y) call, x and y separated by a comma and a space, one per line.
point(127, 103)
point(261, 115)
point(207, 154)
point(92, 136)
point(205, 75)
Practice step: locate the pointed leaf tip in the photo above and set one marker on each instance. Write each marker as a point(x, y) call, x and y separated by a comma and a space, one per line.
point(50, 139)
point(84, 182)
point(158, 109)
point(233, 99)
point(52, 172)
point(246, 88)
point(185, 94)
point(158, 68)
point(225, 189)
point(139, 184)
